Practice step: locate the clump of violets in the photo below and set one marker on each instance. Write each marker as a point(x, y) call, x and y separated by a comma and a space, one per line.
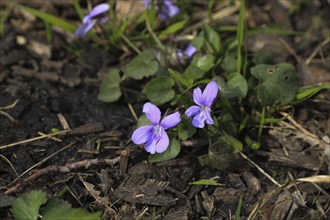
point(155, 135)
point(165, 8)
point(92, 18)
point(201, 112)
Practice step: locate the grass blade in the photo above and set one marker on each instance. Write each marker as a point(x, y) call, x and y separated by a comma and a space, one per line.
point(50, 18)
point(238, 209)
point(240, 35)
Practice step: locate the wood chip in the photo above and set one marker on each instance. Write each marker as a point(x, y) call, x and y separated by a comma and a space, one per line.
point(144, 191)
point(282, 205)
point(252, 182)
point(294, 159)
point(208, 203)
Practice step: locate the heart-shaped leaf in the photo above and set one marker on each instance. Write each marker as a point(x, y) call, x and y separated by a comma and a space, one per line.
point(159, 90)
point(212, 38)
point(185, 129)
point(279, 83)
point(237, 84)
point(205, 63)
point(110, 87)
point(194, 72)
point(181, 78)
point(145, 64)
point(262, 71)
point(229, 63)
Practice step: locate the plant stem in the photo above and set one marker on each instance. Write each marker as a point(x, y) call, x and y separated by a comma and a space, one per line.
point(129, 42)
point(153, 35)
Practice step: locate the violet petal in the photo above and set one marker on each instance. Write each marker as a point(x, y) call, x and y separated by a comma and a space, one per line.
point(103, 20)
point(170, 9)
point(171, 120)
point(163, 143)
point(163, 15)
point(209, 119)
point(142, 134)
point(152, 112)
point(190, 50)
point(151, 145)
point(210, 93)
point(179, 53)
point(86, 19)
point(84, 28)
point(199, 120)
point(197, 96)
point(192, 111)
point(99, 9)
point(146, 3)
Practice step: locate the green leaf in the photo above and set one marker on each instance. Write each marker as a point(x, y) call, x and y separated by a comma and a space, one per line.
point(281, 85)
point(236, 144)
point(305, 93)
point(212, 38)
point(145, 64)
point(207, 182)
point(251, 143)
point(194, 72)
point(185, 129)
point(81, 214)
point(205, 63)
point(171, 152)
point(229, 63)
point(237, 84)
point(261, 71)
point(275, 120)
point(26, 207)
point(275, 30)
point(110, 87)
point(227, 123)
point(142, 121)
point(198, 41)
point(181, 78)
point(151, 14)
point(50, 18)
point(264, 56)
point(223, 88)
point(56, 209)
point(173, 28)
point(243, 123)
point(159, 90)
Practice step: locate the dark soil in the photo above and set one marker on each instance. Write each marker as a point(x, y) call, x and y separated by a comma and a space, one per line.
point(53, 86)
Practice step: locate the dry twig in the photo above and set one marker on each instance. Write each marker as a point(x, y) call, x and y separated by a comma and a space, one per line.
point(63, 169)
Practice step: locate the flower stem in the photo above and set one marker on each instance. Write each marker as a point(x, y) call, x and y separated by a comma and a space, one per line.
point(129, 42)
point(153, 35)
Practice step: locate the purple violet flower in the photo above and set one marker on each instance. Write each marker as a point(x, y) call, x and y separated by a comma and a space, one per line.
point(90, 20)
point(202, 112)
point(154, 135)
point(189, 51)
point(166, 8)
